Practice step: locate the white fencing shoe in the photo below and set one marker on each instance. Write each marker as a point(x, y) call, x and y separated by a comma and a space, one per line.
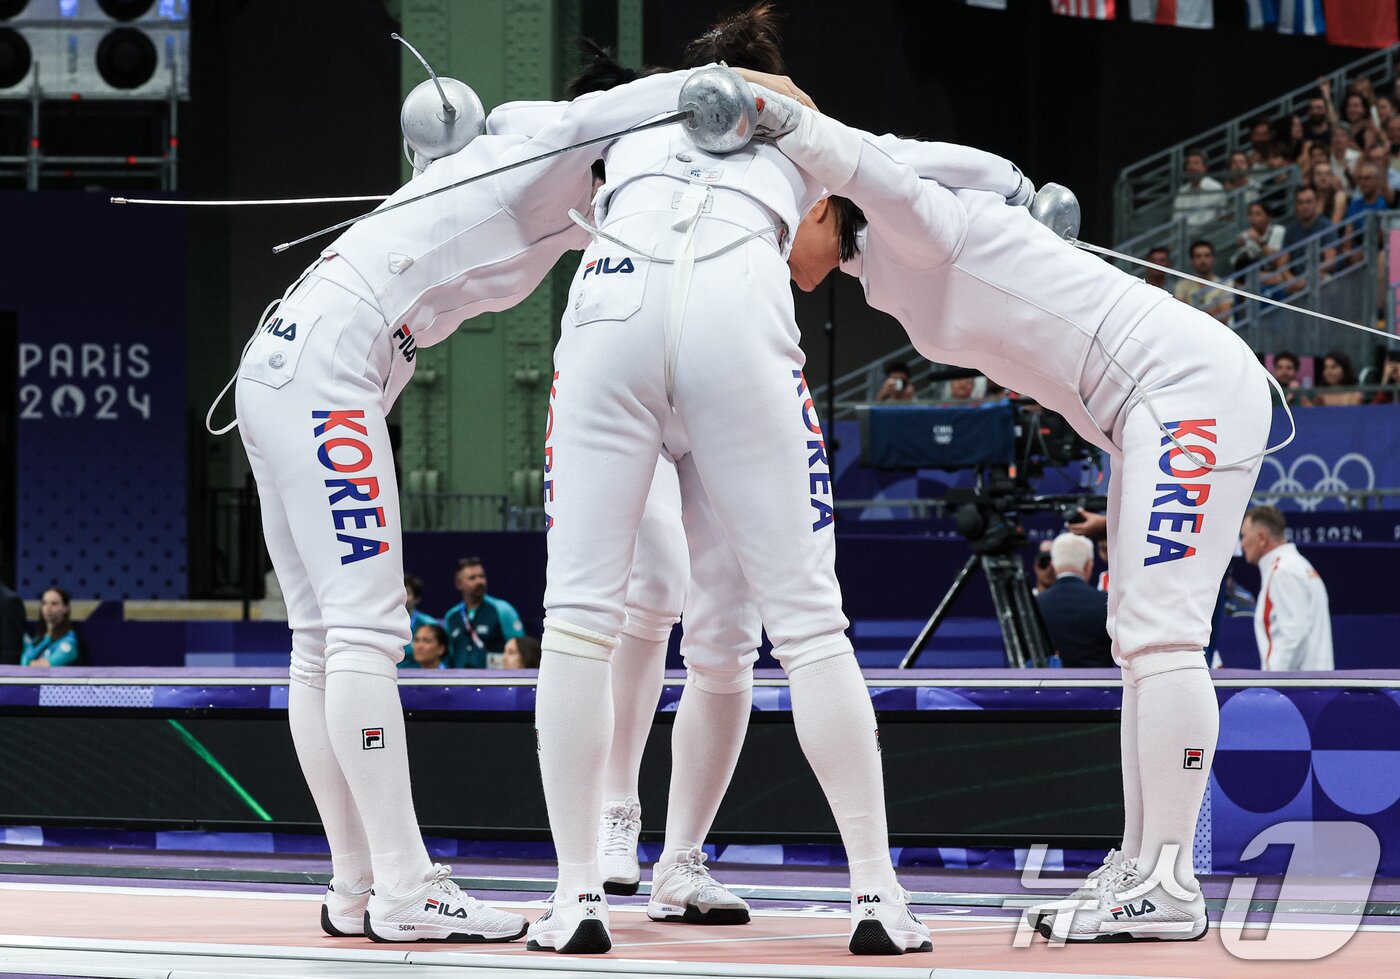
point(1086, 891)
point(343, 912)
point(576, 924)
point(686, 892)
point(882, 924)
point(1130, 909)
point(438, 911)
point(618, 830)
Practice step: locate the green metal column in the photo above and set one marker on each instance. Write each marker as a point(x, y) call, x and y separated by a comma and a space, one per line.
point(473, 418)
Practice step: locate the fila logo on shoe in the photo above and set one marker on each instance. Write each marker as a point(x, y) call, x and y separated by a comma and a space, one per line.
point(868, 899)
point(1128, 911)
point(444, 909)
point(590, 898)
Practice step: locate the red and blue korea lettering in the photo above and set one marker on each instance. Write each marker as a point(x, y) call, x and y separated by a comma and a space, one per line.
point(1176, 509)
point(349, 455)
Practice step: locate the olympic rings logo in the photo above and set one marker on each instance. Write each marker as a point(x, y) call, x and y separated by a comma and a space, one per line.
point(1329, 481)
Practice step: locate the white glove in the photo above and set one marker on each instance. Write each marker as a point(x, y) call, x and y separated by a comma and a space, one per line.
point(778, 115)
point(1024, 194)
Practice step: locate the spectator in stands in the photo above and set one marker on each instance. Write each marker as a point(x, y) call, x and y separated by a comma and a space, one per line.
point(1358, 120)
point(898, 385)
point(1261, 135)
point(522, 653)
point(1392, 136)
point(1317, 124)
point(1332, 200)
point(56, 643)
point(1273, 190)
point(1384, 110)
point(1201, 197)
point(429, 648)
point(12, 623)
point(1216, 302)
point(1286, 373)
point(1372, 194)
point(480, 623)
point(1345, 156)
point(1307, 221)
point(1261, 237)
point(1292, 620)
point(1075, 613)
point(413, 589)
point(1337, 371)
point(1240, 177)
point(963, 389)
point(1390, 377)
point(1379, 156)
point(1156, 277)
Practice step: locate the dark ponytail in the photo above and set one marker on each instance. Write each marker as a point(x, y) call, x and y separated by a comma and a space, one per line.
point(745, 40)
point(600, 70)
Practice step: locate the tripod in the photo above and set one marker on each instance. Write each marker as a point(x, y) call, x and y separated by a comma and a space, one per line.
point(1017, 613)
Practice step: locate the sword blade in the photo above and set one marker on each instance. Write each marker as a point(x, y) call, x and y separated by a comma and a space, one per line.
point(256, 203)
point(663, 121)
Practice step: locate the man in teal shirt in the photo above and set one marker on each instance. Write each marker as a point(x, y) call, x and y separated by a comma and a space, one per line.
point(479, 624)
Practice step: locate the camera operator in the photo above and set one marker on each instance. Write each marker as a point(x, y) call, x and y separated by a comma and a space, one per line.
point(1076, 613)
point(898, 386)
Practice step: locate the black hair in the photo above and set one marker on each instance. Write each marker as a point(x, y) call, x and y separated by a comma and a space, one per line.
point(468, 562)
point(1159, 248)
point(439, 633)
point(413, 585)
point(1198, 243)
point(1344, 362)
point(1304, 189)
point(67, 600)
point(600, 70)
point(1195, 151)
point(1286, 355)
point(849, 220)
point(896, 367)
point(749, 39)
point(529, 648)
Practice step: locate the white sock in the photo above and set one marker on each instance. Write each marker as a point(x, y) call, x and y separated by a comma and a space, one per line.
point(357, 706)
point(350, 866)
point(836, 727)
point(705, 743)
point(1177, 714)
point(574, 726)
point(638, 673)
point(1132, 778)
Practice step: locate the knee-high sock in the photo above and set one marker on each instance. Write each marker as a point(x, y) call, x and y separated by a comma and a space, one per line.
point(705, 743)
point(638, 673)
point(1132, 777)
point(306, 712)
point(573, 724)
point(1177, 713)
point(835, 724)
point(357, 705)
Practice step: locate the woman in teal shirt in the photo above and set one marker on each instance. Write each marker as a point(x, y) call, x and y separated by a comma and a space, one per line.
point(57, 645)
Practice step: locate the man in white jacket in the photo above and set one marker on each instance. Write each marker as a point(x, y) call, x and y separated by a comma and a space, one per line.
point(1292, 621)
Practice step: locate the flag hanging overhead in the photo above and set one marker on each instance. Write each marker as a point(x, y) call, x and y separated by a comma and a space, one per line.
point(1174, 13)
point(1095, 9)
point(1289, 16)
point(1362, 23)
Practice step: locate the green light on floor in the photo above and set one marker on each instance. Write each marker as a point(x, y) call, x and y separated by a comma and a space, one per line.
point(223, 773)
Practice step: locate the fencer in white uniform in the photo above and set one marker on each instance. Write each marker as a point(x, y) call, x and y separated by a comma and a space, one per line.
point(1179, 403)
point(680, 332)
point(718, 647)
point(313, 389)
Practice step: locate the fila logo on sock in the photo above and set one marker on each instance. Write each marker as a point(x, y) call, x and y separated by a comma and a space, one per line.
point(868, 899)
point(590, 898)
point(1128, 911)
point(443, 908)
point(373, 737)
point(1195, 758)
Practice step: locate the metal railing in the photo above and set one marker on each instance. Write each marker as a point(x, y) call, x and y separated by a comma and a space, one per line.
point(465, 512)
point(1144, 190)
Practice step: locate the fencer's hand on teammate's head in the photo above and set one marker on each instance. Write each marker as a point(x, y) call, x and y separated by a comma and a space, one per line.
point(778, 115)
point(781, 84)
